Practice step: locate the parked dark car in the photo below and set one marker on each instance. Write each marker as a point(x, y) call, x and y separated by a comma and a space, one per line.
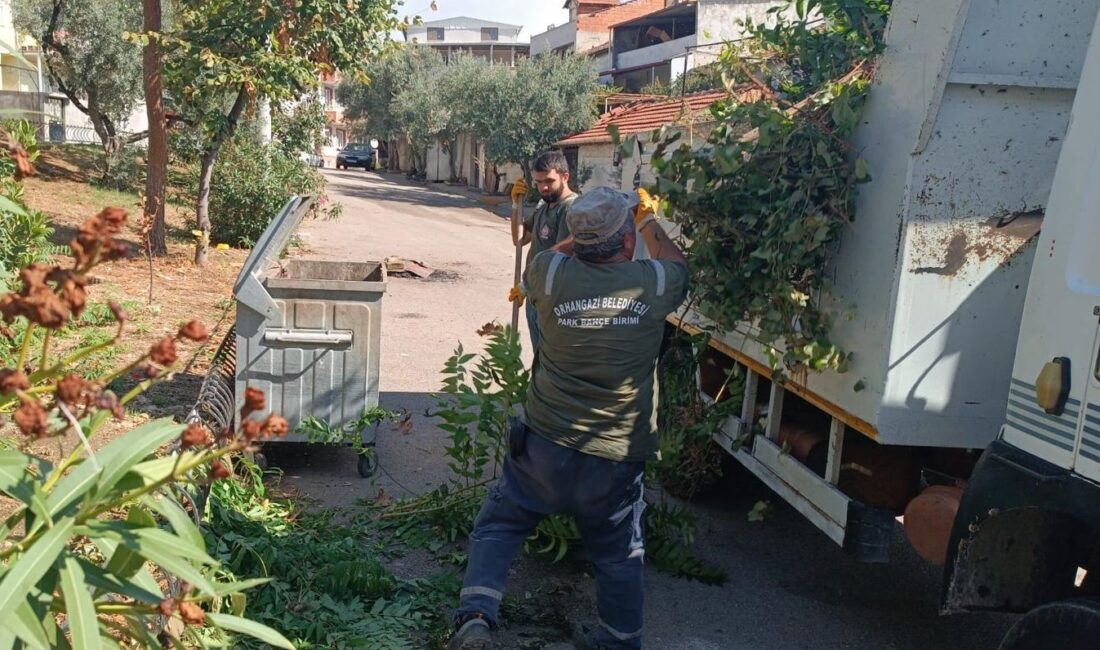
point(355, 155)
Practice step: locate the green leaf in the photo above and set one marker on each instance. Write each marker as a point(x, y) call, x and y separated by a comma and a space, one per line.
point(613, 131)
point(39, 508)
point(109, 583)
point(229, 588)
point(761, 510)
point(28, 569)
point(115, 460)
point(160, 547)
point(7, 205)
point(27, 627)
point(79, 607)
point(125, 562)
point(156, 469)
point(177, 517)
point(18, 472)
point(237, 604)
point(249, 628)
point(862, 172)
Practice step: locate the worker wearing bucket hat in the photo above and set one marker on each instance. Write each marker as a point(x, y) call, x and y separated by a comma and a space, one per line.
point(590, 422)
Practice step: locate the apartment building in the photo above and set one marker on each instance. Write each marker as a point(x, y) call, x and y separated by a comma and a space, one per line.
point(495, 42)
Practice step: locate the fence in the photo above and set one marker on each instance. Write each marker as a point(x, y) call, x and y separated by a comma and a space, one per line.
point(42, 110)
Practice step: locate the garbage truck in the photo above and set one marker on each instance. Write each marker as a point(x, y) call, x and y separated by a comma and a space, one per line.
point(970, 410)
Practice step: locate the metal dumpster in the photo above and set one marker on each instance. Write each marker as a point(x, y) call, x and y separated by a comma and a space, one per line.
point(308, 333)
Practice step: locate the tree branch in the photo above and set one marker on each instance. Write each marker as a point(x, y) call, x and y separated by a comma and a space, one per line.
point(231, 120)
point(134, 137)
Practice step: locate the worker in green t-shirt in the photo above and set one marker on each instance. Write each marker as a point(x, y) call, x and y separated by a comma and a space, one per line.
point(546, 226)
point(589, 423)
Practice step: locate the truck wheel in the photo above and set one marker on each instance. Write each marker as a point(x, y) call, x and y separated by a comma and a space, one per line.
point(368, 463)
point(1067, 625)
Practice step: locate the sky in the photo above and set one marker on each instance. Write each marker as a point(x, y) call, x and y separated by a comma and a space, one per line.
point(534, 15)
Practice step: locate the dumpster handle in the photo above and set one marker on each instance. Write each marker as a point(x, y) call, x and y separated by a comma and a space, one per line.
point(314, 337)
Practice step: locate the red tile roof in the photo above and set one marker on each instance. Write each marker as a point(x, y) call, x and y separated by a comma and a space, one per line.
point(646, 115)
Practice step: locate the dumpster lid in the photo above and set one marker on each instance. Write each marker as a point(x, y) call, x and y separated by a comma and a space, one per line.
point(265, 254)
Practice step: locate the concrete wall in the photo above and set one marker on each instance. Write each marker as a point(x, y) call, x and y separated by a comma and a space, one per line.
point(656, 53)
point(470, 34)
point(718, 21)
point(438, 161)
point(7, 29)
point(602, 63)
point(599, 157)
point(553, 39)
point(586, 40)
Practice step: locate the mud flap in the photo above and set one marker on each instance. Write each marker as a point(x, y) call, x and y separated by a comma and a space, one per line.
point(869, 532)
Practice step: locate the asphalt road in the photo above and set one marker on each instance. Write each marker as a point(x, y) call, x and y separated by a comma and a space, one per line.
point(790, 586)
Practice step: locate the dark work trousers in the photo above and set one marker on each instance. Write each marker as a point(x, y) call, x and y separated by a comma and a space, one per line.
point(605, 498)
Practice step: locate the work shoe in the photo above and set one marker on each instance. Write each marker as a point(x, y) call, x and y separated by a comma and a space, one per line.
point(474, 634)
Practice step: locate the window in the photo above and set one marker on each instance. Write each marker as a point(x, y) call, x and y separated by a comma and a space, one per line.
point(490, 34)
point(435, 33)
point(330, 97)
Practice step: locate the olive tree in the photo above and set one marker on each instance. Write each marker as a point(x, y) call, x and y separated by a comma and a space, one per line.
point(89, 59)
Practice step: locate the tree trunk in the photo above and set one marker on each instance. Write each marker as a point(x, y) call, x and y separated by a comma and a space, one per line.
point(393, 158)
point(106, 132)
point(157, 171)
point(206, 174)
point(202, 205)
point(452, 156)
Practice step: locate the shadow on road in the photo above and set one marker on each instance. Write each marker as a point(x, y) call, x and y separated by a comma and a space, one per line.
point(394, 188)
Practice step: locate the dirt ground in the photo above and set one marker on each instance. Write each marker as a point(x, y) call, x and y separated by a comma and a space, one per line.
point(158, 297)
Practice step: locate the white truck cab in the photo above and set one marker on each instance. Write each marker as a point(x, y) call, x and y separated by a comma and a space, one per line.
point(1028, 529)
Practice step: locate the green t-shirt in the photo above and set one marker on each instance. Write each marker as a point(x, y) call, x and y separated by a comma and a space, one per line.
point(547, 226)
point(593, 387)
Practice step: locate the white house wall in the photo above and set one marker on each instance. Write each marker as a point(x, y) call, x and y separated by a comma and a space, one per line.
point(551, 40)
point(719, 21)
point(599, 158)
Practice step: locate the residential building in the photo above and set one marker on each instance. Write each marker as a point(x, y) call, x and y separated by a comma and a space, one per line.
point(662, 45)
point(593, 155)
point(25, 87)
point(497, 43)
point(337, 130)
point(589, 29)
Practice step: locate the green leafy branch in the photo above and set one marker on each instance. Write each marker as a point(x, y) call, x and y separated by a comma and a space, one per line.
point(764, 202)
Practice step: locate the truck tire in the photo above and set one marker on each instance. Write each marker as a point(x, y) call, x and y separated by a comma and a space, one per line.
point(1067, 625)
point(367, 463)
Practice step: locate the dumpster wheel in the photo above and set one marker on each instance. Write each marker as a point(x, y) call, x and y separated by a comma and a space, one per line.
point(368, 462)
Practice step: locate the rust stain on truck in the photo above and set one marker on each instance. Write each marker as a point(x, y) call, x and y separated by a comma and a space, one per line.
point(997, 240)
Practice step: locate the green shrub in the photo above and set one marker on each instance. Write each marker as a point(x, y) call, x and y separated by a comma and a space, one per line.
point(251, 183)
point(24, 233)
point(123, 171)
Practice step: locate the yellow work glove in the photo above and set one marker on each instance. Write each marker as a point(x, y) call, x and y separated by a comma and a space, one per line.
point(648, 206)
point(515, 294)
point(519, 191)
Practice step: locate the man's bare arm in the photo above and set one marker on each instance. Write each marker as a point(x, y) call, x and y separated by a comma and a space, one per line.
point(660, 245)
